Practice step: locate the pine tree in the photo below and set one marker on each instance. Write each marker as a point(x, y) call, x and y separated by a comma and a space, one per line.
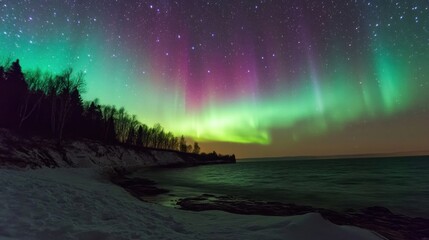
point(15, 90)
point(3, 97)
point(2, 74)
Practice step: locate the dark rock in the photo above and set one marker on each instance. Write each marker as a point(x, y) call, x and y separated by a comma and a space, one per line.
point(377, 210)
point(137, 182)
point(143, 191)
point(378, 219)
point(138, 187)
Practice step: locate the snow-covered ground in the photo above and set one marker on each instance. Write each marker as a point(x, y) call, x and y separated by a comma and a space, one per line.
point(81, 204)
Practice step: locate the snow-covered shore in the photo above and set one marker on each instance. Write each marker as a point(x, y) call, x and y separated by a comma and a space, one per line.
point(18, 151)
point(82, 204)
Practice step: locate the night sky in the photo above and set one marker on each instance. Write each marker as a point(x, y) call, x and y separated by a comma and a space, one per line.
point(254, 78)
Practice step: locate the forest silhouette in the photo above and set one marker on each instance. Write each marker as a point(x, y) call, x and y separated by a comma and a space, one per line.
point(50, 105)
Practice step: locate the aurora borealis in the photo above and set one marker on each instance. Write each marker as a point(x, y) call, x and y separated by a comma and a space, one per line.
point(258, 78)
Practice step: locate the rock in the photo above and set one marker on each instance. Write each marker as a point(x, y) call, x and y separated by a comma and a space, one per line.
point(377, 210)
point(138, 187)
point(378, 219)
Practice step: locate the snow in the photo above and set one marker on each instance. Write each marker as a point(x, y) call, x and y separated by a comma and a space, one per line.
point(164, 158)
point(82, 204)
point(38, 152)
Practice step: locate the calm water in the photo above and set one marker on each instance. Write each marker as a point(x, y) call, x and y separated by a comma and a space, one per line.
point(400, 184)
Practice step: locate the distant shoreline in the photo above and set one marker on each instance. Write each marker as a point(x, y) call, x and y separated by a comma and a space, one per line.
point(334, 157)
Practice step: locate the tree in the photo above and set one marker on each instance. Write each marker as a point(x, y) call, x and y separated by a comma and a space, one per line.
point(145, 133)
point(46, 103)
point(75, 120)
point(169, 138)
point(196, 148)
point(93, 120)
point(3, 97)
point(61, 89)
point(2, 75)
point(120, 126)
point(175, 143)
point(13, 90)
point(189, 148)
point(139, 137)
point(123, 124)
point(33, 98)
point(182, 144)
point(111, 134)
point(158, 135)
point(131, 136)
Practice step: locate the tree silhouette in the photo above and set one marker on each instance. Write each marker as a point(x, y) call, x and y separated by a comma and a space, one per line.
point(93, 120)
point(196, 148)
point(139, 137)
point(64, 94)
point(33, 98)
point(131, 136)
point(52, 105)
point(4, 97)
point(108, 127)
point(70, 87)
point(75, 114)
point(14, 90)
point(157, 136)
point(145, 133)
point(182, 144)
point(111, 134)
point(189, 148)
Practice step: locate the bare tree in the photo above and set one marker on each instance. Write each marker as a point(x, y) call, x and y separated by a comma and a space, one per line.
point(60, 90)
point(108, 114)
point(121, 125)
point(145, 133)
point(34, 96)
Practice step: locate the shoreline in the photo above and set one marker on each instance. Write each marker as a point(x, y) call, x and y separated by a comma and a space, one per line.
point(376, 218)
point(72, 203)
point(117, 162)
point(31, 152)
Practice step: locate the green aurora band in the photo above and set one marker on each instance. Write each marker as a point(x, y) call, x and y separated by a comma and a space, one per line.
point(340, 99)
point(319, 101)
point(339, 102)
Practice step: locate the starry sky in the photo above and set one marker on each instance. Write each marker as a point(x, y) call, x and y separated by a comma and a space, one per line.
point(254, 78)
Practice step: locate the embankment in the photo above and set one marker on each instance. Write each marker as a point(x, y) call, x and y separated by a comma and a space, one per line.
point(17, 151)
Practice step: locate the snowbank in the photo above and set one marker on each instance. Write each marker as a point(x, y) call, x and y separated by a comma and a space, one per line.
point(35, 152)
point(80, 204)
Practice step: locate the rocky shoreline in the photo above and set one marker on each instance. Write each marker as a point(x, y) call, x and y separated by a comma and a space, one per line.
point(138, 187)
point(378, 219)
